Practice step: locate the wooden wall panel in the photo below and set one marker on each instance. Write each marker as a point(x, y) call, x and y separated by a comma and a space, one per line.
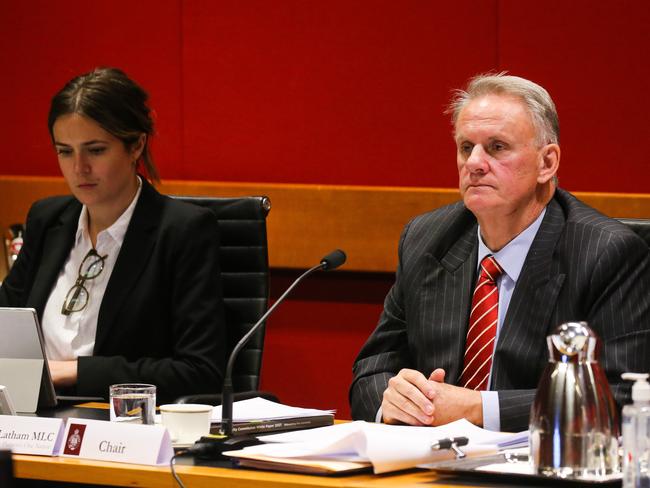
point(307, 221)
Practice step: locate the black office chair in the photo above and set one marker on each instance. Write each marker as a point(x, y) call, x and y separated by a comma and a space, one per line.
point(244, 263)
point(640, 226)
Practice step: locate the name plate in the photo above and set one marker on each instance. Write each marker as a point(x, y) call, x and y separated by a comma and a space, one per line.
point(114, 441)
point(30, 435)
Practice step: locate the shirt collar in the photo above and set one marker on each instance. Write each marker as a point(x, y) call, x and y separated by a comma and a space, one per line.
point(512, 256)
point(117, 230)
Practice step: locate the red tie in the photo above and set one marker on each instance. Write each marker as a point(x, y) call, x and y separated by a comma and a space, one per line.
point(482, 327)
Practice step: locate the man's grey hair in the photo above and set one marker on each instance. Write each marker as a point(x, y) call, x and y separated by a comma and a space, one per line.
point(535, 98)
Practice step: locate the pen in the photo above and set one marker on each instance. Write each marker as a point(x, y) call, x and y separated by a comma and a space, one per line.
point(452, 443)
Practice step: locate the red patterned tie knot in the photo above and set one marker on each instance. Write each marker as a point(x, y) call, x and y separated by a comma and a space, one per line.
point(490, 269)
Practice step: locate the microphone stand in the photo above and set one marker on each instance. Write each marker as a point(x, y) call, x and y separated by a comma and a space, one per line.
point(226, 441)
point(227, 394)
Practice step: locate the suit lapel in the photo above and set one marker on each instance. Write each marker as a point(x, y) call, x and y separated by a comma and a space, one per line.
point(57, 242)
point(446, 296)
point(533, 301)
point(134, 255)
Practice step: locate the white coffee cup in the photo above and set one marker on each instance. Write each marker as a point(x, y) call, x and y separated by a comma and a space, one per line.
point(186, 422)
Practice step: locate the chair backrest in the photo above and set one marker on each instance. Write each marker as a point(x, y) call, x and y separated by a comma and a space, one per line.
point(640, 226)
point(244, 263)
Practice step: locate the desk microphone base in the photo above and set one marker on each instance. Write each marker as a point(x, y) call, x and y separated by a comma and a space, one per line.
point(213, 446)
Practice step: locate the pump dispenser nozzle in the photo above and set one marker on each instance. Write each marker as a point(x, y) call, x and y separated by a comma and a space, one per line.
point(641, 387)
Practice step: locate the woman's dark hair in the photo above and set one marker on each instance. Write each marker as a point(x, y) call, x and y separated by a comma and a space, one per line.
point(115, 102)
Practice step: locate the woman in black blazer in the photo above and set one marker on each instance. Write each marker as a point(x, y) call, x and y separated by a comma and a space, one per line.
point(125, 280)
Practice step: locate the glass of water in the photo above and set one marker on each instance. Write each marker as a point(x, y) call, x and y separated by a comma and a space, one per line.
point(133, 402)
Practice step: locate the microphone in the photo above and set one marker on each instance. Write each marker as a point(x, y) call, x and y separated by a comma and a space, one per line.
point(331, 261)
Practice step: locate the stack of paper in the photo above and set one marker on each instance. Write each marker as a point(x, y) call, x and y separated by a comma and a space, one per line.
point(259, 408)
point(385, 447)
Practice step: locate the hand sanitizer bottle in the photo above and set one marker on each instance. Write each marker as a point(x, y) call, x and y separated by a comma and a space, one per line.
point(636, 434)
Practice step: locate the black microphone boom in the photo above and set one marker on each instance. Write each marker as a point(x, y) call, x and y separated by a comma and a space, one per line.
point(332, 261)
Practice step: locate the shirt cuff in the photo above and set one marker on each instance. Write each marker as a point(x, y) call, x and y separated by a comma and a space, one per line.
point(378, 418)
point(491, 414)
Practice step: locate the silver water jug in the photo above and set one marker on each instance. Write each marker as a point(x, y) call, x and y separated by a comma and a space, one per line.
point(574, 425)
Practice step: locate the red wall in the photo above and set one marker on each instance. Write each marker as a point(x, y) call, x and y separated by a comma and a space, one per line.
point(313, 338)
point(332, 91)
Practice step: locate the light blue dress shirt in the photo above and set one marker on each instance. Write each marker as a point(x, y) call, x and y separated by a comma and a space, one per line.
point(511, 258)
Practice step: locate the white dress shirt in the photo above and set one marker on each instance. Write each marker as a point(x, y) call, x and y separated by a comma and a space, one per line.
point(69, 336)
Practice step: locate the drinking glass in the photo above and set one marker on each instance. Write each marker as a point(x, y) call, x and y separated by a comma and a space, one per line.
point(133, 402)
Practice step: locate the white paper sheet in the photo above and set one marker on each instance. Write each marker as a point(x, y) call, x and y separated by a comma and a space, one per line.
point(387, 447)
point(261, 409)
point(457, 428)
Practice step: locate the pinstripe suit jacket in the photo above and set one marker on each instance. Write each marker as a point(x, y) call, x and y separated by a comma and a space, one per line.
point(581, 266)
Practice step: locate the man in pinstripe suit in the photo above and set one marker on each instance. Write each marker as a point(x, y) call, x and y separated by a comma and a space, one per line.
point(561, 261)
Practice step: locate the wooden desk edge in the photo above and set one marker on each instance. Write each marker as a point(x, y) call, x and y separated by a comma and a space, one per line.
point(70, 470)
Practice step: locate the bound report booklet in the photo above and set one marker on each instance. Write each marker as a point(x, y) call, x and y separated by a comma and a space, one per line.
point(259, 416)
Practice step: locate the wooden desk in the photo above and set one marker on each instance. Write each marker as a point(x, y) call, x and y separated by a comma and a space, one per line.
point(69, 470)
point(118, 474)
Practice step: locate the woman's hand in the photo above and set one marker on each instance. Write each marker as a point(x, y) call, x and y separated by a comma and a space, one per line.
point(64, 373)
